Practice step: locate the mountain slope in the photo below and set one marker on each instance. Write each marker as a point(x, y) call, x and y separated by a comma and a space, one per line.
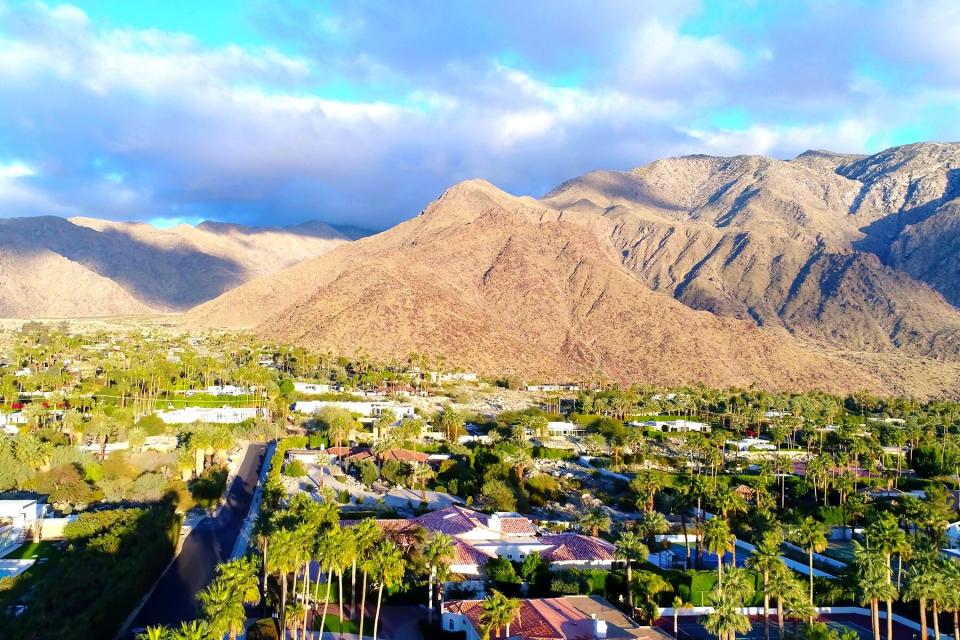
point(498, 284)
point(798, 244)
point(86, 267)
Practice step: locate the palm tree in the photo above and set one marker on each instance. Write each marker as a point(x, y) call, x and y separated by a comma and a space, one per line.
point(346, 555)
point(717, 540)
point(437, 552)
point(798, 608)
point(809, 536)
point(885, 536)
point(327, 553)
point(192, 630)
point(924, 585)
point(422, 473)
point(222, 606)
point(366, 535)
point(282, 559)
point(872, 584)
point(726, 620)
point(390, 567)
point(295, 613)
point(766, 560)
point(594, 521)
point(653, 524)
point(678, 604)
point(498, 611)
point(629, 548)
point(951, 601)
point(783, 586)
point(154, 633)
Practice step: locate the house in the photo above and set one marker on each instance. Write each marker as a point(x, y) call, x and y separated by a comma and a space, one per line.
point(20, 518)
point(370, 410)
point(543, 388)
point(752, 444)
point(312, 388)
point(456, 376)
point(221, 415)
point(479, 537)
point(221, 390)
point(565, 429)
point(675, 426)
point(570, 617)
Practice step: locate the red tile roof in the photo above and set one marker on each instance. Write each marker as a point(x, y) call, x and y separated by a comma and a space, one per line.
point(465, 553)
point(576, 547)
point(456, 520)
point(404, 455)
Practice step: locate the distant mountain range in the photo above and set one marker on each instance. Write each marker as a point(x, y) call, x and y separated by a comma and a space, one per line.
point(826, 271)
point(829, 271)
point(55, 267)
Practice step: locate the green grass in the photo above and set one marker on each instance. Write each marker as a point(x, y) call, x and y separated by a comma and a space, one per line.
point(349, 626)
point(31, 550)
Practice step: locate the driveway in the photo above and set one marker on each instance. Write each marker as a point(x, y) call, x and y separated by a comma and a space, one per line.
point(210, 542)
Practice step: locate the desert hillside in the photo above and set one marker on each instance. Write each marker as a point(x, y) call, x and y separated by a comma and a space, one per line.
point(504, 285)
point(52, 267)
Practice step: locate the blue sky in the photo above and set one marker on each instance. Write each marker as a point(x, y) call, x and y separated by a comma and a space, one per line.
point(362, 112)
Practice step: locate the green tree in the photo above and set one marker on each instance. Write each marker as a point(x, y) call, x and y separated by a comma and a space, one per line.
point(595, 520)
point(766, 560)
point(498, 611)
point(726, 620)
point(630, 548)
point(718, 540)
point(437, 552)
point(808, 535)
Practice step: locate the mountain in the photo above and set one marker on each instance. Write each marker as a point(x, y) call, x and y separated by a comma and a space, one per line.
point(505, 284)
point(843, 249)
point(55, 267)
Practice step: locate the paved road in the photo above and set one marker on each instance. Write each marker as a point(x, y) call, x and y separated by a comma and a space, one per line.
point(210, 543)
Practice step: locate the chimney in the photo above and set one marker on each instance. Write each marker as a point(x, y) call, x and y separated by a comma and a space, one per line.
point(599, 627)
point(494, 522)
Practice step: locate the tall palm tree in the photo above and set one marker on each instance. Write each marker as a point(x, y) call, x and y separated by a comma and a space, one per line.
point(951, 602)
point(629, 548)
point(366, 535)
point(327, 553)
point(809, 536)
point(726, 620)
point(783, 586)
point(925, 586)
point(718, 540)
point(437, 552)
point(885, 536)
point(346, 556)
point(798, 608)
point(390, 569)
point(872, 584)
point(766, 560)
point(653, 524)
point(282, 559)
point(498, 612)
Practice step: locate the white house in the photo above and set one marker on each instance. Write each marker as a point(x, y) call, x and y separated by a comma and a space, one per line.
point(312, 388)
point(18, 518)
point(675, 426)
point(456, 376)
point(216, 415)
point(364, 409)
point(221, 390)
point(757, 444)
point(552, 387)
point(565, 429)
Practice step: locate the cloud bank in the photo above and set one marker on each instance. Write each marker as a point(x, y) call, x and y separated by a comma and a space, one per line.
point(362, 112)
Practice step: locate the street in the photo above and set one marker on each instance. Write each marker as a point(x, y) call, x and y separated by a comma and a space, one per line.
point(210, 542)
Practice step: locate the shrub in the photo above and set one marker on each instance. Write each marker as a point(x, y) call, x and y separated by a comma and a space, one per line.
point(264, 629)
point(498, 496)
point(294, 469)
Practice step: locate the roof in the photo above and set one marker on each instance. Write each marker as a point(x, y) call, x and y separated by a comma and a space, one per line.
point(465, 553)
point(456, 520)
point(569, 618)
point(574, 546)
point(403, 455)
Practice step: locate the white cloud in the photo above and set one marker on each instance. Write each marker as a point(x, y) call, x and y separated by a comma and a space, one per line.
point(15, 170)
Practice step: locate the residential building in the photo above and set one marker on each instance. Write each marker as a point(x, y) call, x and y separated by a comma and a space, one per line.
point(675, 426)
point(312, 388)
point(479, 537)
point(371, 409)
point(568, 386)
point(565, 429)
point(213, 415)
point(570, 617)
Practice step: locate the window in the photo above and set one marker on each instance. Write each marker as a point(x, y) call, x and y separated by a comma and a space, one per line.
point(450, 624)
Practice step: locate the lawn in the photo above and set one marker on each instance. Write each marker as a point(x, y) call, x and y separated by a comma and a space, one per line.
point(349, 626)
point(32, 550)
